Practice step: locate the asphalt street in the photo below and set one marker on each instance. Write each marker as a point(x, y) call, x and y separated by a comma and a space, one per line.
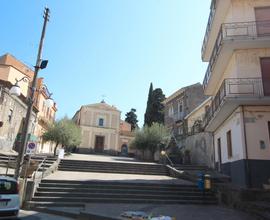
point(32, 215)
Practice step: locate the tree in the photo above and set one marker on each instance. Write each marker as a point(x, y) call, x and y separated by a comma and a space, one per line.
point(157, 114)
point(155, 107)
point(131, 118)
point(63, 132)
point(147, 115)
point(151, 138)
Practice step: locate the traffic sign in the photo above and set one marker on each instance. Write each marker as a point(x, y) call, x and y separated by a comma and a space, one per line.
point(31, 146)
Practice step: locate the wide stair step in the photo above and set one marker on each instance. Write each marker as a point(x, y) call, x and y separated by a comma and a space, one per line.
point(112, 167)
point(76, 193)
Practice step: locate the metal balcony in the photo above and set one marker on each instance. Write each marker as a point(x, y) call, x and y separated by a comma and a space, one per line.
point(236, 33)
point(179, 116)
point(238, 91)
point(209, 24)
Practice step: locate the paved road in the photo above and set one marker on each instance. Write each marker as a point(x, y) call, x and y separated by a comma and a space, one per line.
point(31, 215)
point(181, 212)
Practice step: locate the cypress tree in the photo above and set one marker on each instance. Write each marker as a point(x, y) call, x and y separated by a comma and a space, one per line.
point(147, 115)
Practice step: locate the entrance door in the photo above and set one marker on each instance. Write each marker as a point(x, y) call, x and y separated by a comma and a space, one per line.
point(265, 66)
point(263, 21)
point(99, 144)
point(219, 154)
point(124, 150)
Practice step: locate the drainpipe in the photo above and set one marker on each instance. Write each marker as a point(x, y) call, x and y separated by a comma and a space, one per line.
point(248, 180)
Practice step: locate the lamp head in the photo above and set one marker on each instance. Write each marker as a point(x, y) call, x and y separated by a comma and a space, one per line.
point(15, 90)
point(163, 153)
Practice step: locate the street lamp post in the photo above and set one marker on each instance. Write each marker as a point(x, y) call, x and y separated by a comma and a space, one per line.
point(40, 64)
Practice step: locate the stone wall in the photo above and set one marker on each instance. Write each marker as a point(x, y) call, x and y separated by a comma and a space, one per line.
point(201, 148)
point(12, 112)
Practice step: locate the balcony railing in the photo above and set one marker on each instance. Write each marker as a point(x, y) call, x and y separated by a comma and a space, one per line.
point(235, 88)
point(209, 24)
point(179, 116)
point(236, 31)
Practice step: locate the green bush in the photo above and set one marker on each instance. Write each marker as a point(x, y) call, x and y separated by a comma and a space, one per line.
point(151, 138)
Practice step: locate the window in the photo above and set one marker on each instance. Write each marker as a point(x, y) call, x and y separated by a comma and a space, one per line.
point(101, 122)
point(229, 144)
point(10, 115)
point(170, 113)
point(180, 106)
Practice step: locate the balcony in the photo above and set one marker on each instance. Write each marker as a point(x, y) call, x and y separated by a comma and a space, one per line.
point(179, 116)
point(235, 92)
point(218, 11)
point(209, 24)
point(239, 35)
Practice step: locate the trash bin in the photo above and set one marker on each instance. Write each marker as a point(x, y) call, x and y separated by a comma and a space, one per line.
point(201, 181)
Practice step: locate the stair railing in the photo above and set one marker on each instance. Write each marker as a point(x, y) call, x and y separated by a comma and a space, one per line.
point(41, 165)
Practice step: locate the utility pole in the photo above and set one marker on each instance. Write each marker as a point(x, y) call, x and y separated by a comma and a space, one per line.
point(20, 158)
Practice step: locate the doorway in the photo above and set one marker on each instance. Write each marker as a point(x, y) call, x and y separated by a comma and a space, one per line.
point(265, 67)
point(124, 150)
point(99, 144)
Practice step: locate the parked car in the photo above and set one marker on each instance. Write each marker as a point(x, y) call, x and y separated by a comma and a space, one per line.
point(9, 198)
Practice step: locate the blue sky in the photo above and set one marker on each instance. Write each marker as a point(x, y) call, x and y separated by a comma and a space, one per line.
point(109, 47)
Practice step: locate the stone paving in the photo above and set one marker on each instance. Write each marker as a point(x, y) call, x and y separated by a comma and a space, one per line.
point(180, 212)
point(85, 176)
point(104, 158)
point(32, 215)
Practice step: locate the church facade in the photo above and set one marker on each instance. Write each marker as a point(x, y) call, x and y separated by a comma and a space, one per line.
point(102, 129)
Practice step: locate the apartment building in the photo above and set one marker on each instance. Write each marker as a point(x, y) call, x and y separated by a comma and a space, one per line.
point(45, 117)
point(237, 47)
point(102, 129)
point(179, 105)
point(14, 109)
point(12, 113)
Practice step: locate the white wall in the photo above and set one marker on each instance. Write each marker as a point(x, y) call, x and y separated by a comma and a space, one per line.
point(257, 118)
point(233, 123)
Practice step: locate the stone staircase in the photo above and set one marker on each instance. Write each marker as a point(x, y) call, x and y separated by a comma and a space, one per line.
point(65, 193)
point(112, 167)
point(10, 161)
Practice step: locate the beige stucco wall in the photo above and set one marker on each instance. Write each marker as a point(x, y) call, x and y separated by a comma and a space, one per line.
point(197, 114)
point(8, 73)
point(244, 64)
point(257, 118)
point(233, 123)
point(243, 10)
point(89, 134)
point(88, 119)
point(4, 70)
